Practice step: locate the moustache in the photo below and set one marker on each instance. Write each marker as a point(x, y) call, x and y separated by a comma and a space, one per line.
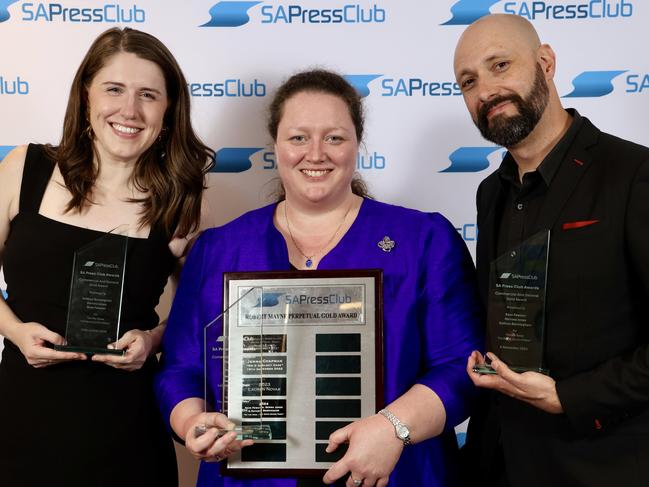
point(484, 109)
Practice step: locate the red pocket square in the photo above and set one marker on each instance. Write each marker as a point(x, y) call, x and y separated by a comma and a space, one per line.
point(578, 224)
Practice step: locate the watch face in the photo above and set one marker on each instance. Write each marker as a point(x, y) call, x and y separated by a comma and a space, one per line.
point(402, 432)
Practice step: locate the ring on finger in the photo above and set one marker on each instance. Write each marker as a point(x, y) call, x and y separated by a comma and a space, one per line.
point(223, 455)
point(356, 481)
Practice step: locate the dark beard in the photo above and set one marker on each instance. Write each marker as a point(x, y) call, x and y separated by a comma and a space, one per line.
point(509, 131)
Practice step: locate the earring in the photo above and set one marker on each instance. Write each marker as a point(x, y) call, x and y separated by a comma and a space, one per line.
point(162, 135)
point(162, 142)
point(88, 130)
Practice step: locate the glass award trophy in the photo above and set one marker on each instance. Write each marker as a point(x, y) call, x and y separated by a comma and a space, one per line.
point(96, 293)
point(516, 306)
point(215, 356)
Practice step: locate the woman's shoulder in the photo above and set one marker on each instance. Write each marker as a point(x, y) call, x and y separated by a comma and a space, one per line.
point(31, 151)
point(408, 217)
point(250, 224)
point(423, 235)
point(14, 160)
point(11, 173)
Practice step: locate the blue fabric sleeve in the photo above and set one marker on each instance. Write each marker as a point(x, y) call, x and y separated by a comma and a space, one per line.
point(181, 372)
point(450, 314)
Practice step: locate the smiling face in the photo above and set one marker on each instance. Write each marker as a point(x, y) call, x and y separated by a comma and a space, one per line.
point(127, 100)
point(499, 65)
point(316, 148)
point(508, 130)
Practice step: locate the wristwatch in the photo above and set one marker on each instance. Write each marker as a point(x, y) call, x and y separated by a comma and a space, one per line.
point(400, 430)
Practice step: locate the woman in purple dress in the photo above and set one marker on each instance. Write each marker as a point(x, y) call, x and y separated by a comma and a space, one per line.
point(324, 220)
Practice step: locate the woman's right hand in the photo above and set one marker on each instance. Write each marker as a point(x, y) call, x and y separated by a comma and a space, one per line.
point(207, 446)
point(33, 338)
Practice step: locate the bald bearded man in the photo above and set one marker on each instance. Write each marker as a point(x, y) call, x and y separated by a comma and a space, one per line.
point(587, 422)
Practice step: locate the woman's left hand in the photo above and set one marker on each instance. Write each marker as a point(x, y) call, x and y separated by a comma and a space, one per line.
point(373, 452)
point(137, 345)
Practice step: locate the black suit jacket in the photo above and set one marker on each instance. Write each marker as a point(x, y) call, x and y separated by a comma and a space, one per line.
point(597, 325)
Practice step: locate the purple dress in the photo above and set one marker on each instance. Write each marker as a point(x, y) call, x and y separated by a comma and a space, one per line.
point(431, 318)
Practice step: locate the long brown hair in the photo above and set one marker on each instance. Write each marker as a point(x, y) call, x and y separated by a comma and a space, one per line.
point(171, 171)
point(319, 81)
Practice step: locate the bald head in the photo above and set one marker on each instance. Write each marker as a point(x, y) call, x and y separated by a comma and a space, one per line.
point(506, 78)
point(498, 31)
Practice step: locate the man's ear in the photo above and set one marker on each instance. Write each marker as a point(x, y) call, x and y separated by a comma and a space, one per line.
point(547, 59)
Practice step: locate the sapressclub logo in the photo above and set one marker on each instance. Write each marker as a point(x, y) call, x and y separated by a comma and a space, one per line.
point(361, 82)
point(234, 159)
point(232, 87)
point(229, 14)
point(389, 86)
point(473, 159)
point(10, 85)
point(593, 83)
point(589, 84)
point(241, 159)
point(465, 12)
point(100, 265)
point(239, 13)
point(521, 277)
point(4, 9)
point(109, 12)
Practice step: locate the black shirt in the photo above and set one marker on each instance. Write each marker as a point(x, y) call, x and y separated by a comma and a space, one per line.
point(524, 200)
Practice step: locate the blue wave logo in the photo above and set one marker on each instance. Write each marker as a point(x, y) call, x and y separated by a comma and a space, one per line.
point(268, 300)
point(234, 159)
point(593, 83)
point(470, 159)
point(229, 14)
point(466, 12)
point(4, 150)
point(360, 82)
point(4, 9)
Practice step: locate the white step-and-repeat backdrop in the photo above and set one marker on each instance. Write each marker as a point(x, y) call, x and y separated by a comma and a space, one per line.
point(421, 149)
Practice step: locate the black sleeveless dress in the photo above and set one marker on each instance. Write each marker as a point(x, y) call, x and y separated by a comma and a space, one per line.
point(78, 423)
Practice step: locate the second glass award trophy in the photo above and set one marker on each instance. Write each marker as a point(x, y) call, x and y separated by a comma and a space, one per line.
point(251, 426)
point(516, 307)
point(96, 293)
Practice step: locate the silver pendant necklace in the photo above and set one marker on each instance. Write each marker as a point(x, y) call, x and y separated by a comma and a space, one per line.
point(308, 262)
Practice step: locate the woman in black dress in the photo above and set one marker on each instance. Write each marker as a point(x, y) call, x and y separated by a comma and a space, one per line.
point(128, 156)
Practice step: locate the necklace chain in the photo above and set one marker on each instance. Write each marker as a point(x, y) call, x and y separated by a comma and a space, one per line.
point(309, 258)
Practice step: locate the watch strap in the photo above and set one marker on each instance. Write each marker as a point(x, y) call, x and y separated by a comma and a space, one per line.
point(398, 426)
